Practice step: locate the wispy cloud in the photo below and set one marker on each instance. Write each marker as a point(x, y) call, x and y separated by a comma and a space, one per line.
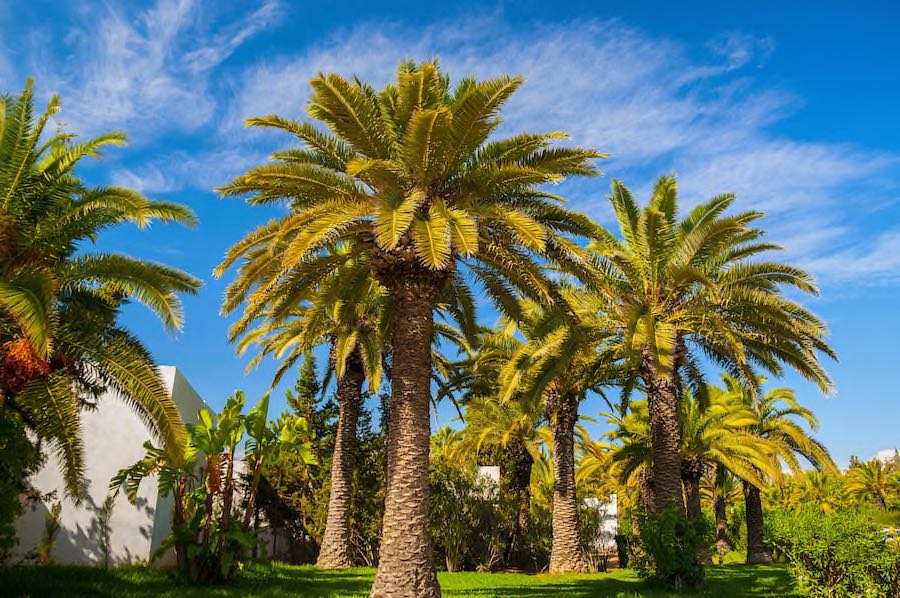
point(654, 103)
point(644, 99)
point(872, 262)
point(178, 170)
point(149, 73)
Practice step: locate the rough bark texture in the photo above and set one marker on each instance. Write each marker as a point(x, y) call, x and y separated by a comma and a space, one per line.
point(722, 543)
point(335, 551)
point(406, 566)
point(757, 550)
point(665, 438)
point(520, 484)
point(645, 486)
point(565, 555)
point(691, 472)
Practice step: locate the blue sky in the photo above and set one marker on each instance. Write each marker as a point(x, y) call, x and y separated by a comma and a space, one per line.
point(792, 106)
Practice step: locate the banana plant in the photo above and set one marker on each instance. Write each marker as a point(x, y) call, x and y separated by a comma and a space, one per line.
point(209, 547)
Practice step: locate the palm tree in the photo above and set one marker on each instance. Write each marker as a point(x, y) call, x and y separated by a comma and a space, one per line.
point(407, 177)
point(562, 361)
point(713, 435)
point(717, 434)
point(721, 488)
point(346, 312)
point(779, 419)
point(681, 289)
point(516, 428)
point(871, 481)
point(60, 342)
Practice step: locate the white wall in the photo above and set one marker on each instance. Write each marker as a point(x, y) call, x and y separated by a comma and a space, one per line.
point(113, 438)
point(609, 522)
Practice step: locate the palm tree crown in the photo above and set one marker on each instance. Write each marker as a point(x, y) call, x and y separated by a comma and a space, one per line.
point(408, 179)
point(60, 343)
point(682, 289)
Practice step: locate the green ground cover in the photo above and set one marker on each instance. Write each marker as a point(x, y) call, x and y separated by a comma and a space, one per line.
point(285, 580)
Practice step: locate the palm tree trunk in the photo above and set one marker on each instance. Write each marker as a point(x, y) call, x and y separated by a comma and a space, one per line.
point(665, 438)
point(335, 550)
point(520, 485)
point(406, 562)
point(565, 555)
point(722, 543)
point(880, 502)
point(757, 550)
point(691, 472)
point(645, 487)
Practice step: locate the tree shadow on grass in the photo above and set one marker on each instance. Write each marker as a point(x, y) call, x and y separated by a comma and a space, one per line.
point(281, 581)
point(731, 581)
point(135, 582)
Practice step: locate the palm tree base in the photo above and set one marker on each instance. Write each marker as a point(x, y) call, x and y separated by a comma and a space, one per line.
point(759, 556)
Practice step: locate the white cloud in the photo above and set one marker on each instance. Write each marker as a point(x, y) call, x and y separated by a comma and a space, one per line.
point(641, 98)
point(149, 179)
point(869, 262)
point(740, 49)
point(886, 455)
point(150, 73)
point(203, 171)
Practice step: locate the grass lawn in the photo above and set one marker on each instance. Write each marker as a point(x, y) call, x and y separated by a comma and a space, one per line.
point(286, 580)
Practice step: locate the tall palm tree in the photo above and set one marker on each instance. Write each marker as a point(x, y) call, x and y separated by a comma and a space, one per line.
point(346, 315)
point(408, 177)
point(718, 434)
point(349, 314)
point(563, 360)
point(60, 342)
point(679, 289)
point(779, 420)
point(871, 481)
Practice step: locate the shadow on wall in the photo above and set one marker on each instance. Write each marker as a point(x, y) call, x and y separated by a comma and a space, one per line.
point(77, 543)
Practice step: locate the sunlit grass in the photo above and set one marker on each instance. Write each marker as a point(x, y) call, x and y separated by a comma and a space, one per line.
point(286, 580)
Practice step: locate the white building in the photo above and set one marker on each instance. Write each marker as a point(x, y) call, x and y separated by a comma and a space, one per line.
point(113, 438)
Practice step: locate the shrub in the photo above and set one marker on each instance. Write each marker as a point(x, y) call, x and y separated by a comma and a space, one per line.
point(844, 553)
point(669, 548)
point(211, 533)
point(466, 515)
point(18, 459)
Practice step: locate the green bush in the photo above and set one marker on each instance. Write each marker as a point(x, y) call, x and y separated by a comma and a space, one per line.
point(836, 554)
point(18, 459)
point(669, 548)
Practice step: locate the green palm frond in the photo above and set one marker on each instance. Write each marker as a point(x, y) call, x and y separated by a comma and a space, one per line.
point(27, 297)
point(51, 407)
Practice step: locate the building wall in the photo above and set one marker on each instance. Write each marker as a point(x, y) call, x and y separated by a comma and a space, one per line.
point(113, 438)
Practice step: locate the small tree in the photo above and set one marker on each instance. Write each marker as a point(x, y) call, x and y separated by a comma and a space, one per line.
point(104, 529)
point(210, 534)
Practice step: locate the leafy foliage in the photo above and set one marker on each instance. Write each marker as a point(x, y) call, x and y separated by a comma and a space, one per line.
point(210, 534)
point(836, 554)
point(60, 343)
point(20, 459)
point(691, 287)
point(669, 544)
point(406, 178)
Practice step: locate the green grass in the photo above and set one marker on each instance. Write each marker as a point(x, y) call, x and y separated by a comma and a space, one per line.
point(285, 580)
